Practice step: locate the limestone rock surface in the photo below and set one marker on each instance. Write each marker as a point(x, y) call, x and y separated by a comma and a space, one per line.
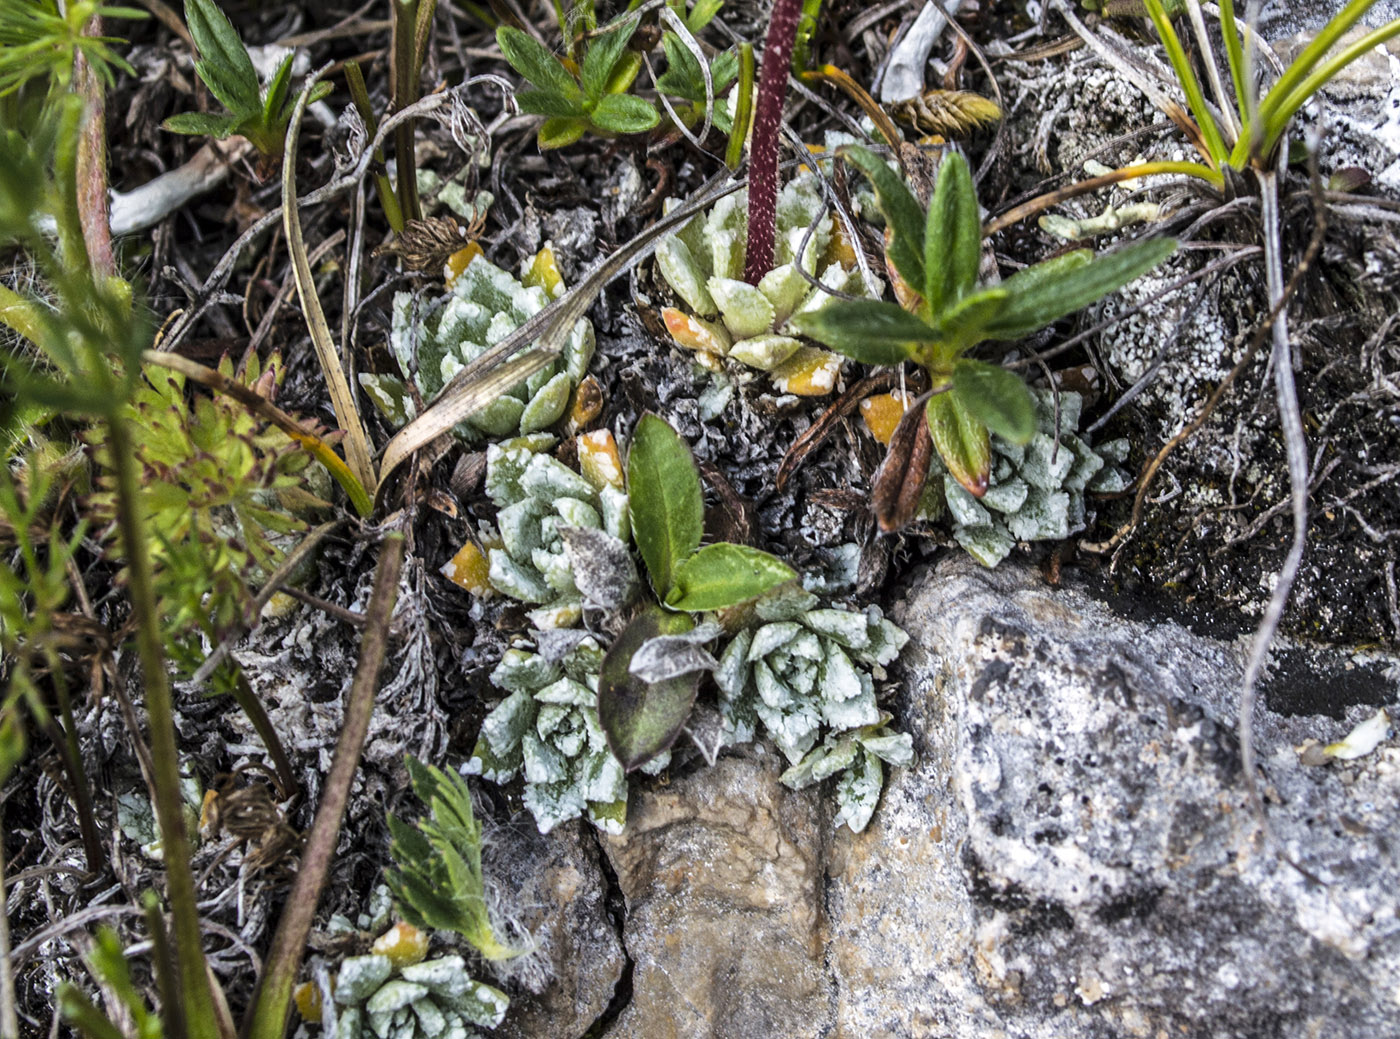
point(1073, 855)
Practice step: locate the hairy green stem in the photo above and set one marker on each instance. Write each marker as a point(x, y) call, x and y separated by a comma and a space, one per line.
point(197, 999)
point(267, 1017)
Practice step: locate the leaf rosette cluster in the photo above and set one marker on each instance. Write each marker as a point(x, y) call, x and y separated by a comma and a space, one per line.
point(433, 343)
point(541, 502)
point(547, 730)
point(801, 669)
point(727, 317)
point(432, 999)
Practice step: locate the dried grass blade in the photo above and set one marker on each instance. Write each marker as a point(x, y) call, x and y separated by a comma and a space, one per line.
point(347, 413)
point(899, 483)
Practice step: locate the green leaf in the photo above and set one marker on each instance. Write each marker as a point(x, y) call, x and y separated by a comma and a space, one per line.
point(665, 500)
point(995, 396)
point(602, 56)
point(623, 113)
point(560, 133)
point(683, 76)
point(701, 14)
point(203, 124)
point(530, 58)
point(225, 66)
point(962, 325)
point(953, 236)
point(961, 441)
point(903, 213)
point(725, 575)
point(869, 330)
point(277, 91)
point(624, 73)
point(642, 719)
point(547, 102)
point(1047, 296)
point(724, 70)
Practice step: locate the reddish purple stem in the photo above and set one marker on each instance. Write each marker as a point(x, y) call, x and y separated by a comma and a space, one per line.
point(763, 152)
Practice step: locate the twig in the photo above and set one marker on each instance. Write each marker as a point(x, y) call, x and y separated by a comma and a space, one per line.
point(267, 1016)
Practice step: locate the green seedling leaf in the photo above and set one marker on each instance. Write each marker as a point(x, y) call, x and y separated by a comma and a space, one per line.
point(701, 14)
point(952, 237)
point(603, 54)
point(725, 575)
point(624, 73)
point(530, 58)
point(642, 719)
point(278, 91)
point(665, 500)
point(623, 113)
point(203, 124)
point(560, 133)
point(961, 441)
point(871, 331)
point(902, 211)
point(547, 102)
point(683, 76)
point(995, 396)
point(224, 64)
point(1047, 296)
point(962, 325)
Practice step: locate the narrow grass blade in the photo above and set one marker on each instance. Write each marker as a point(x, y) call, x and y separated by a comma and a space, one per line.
point(347, 413)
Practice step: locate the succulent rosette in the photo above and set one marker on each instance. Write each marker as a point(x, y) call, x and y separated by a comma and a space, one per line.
point(547, 730)
point(434, 341)
point(855, 757)
point(540, 498)
point(377, 998)
point(727, 317)
point(800, 669)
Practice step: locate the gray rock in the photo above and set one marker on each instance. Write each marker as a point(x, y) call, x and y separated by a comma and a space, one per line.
point(561, 899)
point(722, 874)
point(1074, 855)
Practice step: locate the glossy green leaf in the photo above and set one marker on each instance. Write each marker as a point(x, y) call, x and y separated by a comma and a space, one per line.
point(623, 113)
point(902, 211)
point(532, 60)
point(602, 56)
point(1047, 296)
point(961, 440)
point(725, 575)
point(952, 236)
point(560, 133)
point(547, 102)
point(203, 124)
point(642, 719)
point(224, 64)
point(869, 330)
point(995, 396)
point(665, 500)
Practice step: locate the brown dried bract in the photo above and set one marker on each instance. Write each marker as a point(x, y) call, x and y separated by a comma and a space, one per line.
point(899, 484)
point(946, 113)
point(424, 245)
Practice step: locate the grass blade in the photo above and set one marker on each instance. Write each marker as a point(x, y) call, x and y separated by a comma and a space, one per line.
point(347, 413)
